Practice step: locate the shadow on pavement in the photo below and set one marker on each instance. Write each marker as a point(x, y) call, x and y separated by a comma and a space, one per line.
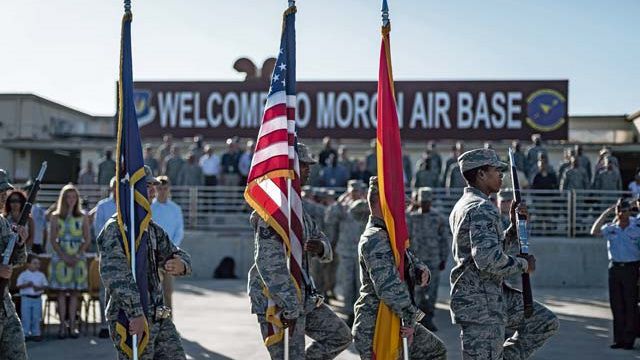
point(195, 351)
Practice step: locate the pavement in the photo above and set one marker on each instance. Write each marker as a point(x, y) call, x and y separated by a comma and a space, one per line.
point(214, 321)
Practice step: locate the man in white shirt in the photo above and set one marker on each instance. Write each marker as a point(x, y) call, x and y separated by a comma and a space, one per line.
point(210, 164)
point(32, 283)
point(168, 215)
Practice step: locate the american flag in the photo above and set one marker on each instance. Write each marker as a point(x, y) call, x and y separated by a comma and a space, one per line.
point(273, 184)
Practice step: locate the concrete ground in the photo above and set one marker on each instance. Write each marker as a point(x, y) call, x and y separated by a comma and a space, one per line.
point(214, 321)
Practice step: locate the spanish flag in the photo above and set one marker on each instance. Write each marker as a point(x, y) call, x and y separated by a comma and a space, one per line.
point(386, 340)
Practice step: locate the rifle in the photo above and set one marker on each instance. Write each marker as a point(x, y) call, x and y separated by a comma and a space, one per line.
point(24, 216)
point(523, 238)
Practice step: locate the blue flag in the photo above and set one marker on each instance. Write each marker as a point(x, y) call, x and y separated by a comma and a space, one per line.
point(134, 211)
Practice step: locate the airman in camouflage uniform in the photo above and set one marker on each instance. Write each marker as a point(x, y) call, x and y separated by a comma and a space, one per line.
point(574, 178)
point(115, 270)
point(381, 282)
point(480, 302)
point(270, 273)
point(608, 178)
point(430, 238)
point(323, 273)
point(12, 345)
point(345, 222)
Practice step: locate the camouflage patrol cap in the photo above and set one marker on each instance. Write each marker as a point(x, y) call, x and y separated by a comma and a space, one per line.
point(505, 195)
point(4, 181)
point(305, 155)
point(425, 194)
point(148, 176)
point(356, 185)
point(480, 157)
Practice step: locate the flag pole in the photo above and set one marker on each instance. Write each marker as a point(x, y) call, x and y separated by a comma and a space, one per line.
point(386, 23)
point(286, 331)
point(132, 228)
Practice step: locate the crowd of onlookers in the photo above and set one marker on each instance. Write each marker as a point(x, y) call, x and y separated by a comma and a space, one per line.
point(64, 235)
point(204, 165)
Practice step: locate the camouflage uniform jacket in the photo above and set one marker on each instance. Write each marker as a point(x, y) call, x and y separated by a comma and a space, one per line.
point(607, 180)
point(574, 179)
point(19, 258)
point(342, 226)
point(115, 269)
point(481, 263)
point(270, 272)
point(316, 211)
point(430, 236)
point(380, 280)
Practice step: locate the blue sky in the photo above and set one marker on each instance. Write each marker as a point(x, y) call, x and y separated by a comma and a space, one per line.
point(67, 50)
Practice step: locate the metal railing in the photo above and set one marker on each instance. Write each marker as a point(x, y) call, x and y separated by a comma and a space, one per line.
point(552, 213)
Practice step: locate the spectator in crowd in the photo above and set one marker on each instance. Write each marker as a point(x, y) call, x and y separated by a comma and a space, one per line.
point(230, 160)
point(407, 168)
point(567, 154)
point(244, 164)
point(344, 160)
point(150, 160)
point(165, 149)
point(488, 145)
point(191, 174)
point(168, 215)
point(106, 169)
point(372, 158)
point(519, 157)
point(574, 178)
point(333, 174)
point(360, 172)
point(427, 175)
point(608, 178)
point(604, 153)
point(173, 164)
point(623, 239)
point(634, 186)
point(87, 176)
point(314, 174)
point(455, 180)
point(103, 211)
point(12, 210)
point(543, 179)
point(583, 160)
point(38, 214)
point(69, 235)
point(434, 157)
point(197, 148)
point(31, 283)
point(210, 164)
point(327, 150)
point(456, 151)
point(544, 157)
point(533, 154)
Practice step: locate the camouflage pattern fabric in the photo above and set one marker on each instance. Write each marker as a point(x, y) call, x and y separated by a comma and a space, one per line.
point(607, 180)
point(480, 302)
point(270, 273)
point(164, 341)
point(12, 344)
point(430, 237)
point(574, 179)
point(381, 281)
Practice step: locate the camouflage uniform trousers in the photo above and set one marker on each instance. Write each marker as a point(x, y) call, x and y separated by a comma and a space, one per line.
point(330, 334)
point(486, 341)
point(323, 274)
point(164, 342)
point(425, 345)
point(12, 346)
point(349, 281)
point(426, 297)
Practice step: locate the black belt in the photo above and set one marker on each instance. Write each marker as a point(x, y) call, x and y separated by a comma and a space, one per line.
point(32, 296)
point(623, 264)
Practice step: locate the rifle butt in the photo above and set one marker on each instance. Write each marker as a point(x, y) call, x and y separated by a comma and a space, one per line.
point(527, 295)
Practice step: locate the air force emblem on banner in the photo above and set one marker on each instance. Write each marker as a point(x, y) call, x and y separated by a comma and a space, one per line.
point(546, 110)
point(144, 111)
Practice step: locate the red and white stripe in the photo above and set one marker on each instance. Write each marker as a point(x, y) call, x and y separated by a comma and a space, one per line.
point(273, 188)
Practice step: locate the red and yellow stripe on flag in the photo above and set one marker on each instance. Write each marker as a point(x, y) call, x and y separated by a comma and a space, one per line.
point(386, 340)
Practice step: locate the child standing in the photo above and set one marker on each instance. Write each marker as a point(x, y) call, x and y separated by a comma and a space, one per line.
point(32, 283)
